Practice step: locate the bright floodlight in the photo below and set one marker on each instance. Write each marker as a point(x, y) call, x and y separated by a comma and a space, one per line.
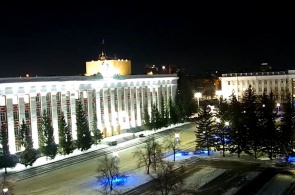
point(218, 120)
point(278, 104)
point(5, 190)
point(198, 95)
point(227, 123)
point(176, 135)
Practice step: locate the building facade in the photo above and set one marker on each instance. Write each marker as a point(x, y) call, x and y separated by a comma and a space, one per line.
point(279, 83)
point(117, 103)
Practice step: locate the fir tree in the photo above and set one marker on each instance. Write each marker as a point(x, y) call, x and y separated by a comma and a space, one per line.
point(6, 159)
point(48, 147)
point(250, 103)
point(66, 145)
point(147, 122)
point(97, 134)
point(205, 129)
point(173, 112)
point(84, 140)
point(30, 154)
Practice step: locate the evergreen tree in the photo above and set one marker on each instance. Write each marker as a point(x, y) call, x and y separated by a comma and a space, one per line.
point(286, 136)
point(163, 109)
point(184, 98)
point(30, 154)
point(66, 144)
point(250, 104)
point(97, 134)
point(47, 145)
point(84, 140)
point(173, 112)
point(156, 122)
point(222, 130)
point(267, 124)
point(146, 116)
point(6, 159)
point(239, 133)
point(205, 129)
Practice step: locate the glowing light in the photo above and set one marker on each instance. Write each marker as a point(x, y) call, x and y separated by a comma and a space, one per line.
point(27, 75)
point(227, 123)
point(118, 180)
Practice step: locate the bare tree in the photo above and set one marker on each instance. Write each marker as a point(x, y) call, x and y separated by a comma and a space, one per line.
point(108, 171)
point(148, 154)
point(168, 178)
point(171, 142)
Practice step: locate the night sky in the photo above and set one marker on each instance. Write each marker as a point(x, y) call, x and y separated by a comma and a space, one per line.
point(50, 38)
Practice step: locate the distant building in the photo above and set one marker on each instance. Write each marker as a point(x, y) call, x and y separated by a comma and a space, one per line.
point(279, 83)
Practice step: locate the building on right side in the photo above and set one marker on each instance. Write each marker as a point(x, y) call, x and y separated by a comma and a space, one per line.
point(279, 83)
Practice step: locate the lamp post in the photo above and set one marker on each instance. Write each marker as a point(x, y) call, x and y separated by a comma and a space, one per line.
point(5, 190)
point(176, 144)
point(116, 158)
point(278, 106)
point(198, 95)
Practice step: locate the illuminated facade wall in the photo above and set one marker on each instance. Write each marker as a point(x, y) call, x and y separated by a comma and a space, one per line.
point(118, 104)
point(279, 83)
point(122, 66)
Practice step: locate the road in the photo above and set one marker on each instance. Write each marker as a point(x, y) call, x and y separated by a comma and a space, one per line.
point(81, 177)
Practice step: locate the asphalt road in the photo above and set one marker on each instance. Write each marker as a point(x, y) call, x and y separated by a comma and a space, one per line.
point(80, 178)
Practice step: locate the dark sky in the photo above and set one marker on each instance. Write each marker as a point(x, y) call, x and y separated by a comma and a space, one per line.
point(50, 38)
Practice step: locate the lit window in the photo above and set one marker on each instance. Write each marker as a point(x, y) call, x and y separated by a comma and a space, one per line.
point(15, 115)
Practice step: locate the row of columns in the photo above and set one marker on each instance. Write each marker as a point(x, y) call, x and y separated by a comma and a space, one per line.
point(117, 116)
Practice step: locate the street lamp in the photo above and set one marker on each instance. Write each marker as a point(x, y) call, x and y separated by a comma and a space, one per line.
point(5, 190)
point(198, 95)
point(278, 105)
point(116, 157)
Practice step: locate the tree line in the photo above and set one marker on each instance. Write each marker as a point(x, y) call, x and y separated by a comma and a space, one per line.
point(86, 137)
point(256, 125)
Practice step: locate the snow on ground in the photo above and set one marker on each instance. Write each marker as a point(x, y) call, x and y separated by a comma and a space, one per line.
point(202, 177)
point(137, 176)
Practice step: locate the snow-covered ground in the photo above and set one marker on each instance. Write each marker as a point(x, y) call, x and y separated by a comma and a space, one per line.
point(138, 176)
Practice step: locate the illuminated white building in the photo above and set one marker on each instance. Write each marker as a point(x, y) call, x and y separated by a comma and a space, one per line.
point(118, 103)
point(279, 83)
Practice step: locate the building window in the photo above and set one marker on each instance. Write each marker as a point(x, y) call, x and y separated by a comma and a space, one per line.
point(68, 110)
point(38, 112)
point(27, 113)
point(228, 82)
point(265, 82)
point(48, 97)
point(58, 110)
point(48, 112)
point(38, 98)
point(3, 116)
point(15, 115)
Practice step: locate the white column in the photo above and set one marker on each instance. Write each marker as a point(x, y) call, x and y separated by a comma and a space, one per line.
point(113, 110)
point(90, 107)
point(21, 107)
point(126, 102)
point(98, 109)
point(132, 108)
point(138, 109)
point(34, 124)
point(64, 104)
point(106, 108)
point(43, 103)
point(73, 114)
point(10, 124)
point(149, 97)
point(119, 96)
point(54, 117)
